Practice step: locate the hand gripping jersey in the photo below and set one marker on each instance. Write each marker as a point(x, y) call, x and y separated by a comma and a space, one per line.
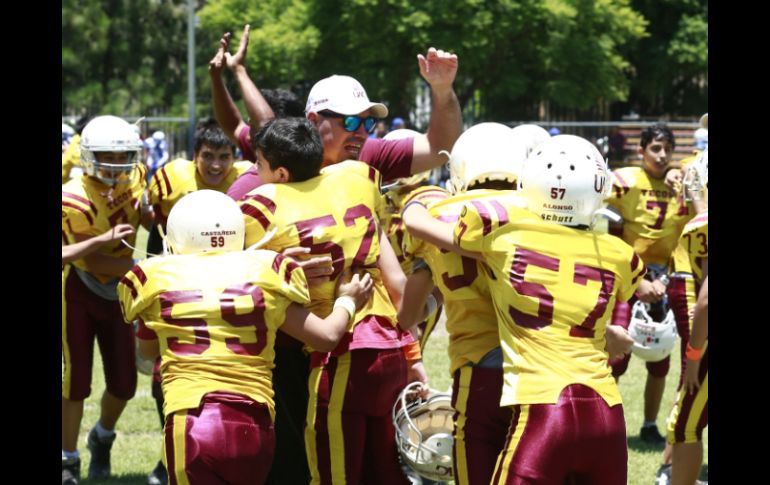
point(90, 208)
point(335, 214)
point(471, 320)
point(215, 315)
point(693, 247)
point(554, 289)
point(180, 177)
point(653, 215)
point(394, 226)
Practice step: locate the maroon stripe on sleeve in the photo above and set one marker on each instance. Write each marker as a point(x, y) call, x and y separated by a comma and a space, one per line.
point(634, 262)
point(372, 174)
point(257, 214)
point(80, 209)
point(166, 181)
point(485, 218)
point(290, 267)
point(156, 181)
point(130, 285)
point(139, 274)
point(463, 228)
point(502, 214)
point(623, 189)
point(269, 204)
point(82, 200)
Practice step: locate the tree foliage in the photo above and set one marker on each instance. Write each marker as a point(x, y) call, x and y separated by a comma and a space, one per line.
point(516, 56)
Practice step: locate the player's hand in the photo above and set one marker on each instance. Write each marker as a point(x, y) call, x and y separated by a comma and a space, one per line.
point(438, 67)
point(416, 373)
point(239, 58)
point(217, 63)
point(691, 371)
point(673, 180)
point(355, 286)
point(317, 270)
point(650, 291)
point(618, 341)
point(117, 233)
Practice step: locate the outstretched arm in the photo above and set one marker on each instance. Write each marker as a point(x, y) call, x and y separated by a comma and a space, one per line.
point(259, 111)
point(439, 69)
point(225, 110)
point(85, 247)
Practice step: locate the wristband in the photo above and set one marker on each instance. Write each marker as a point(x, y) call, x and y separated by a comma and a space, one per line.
point(692, 353)
point(412, 351)
point(348, 304)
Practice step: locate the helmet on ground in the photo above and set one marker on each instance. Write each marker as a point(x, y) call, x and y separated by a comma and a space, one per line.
point(531, 135)
point(110, 134)
point(485, 152)
point(653, 341)
point(205, 220)
point(424, 433)
point(565, 180)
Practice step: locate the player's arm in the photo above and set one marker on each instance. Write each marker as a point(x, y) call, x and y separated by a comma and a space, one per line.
point(147, 344)
point(80, 249)
point(700, 331)
point(439, 69)
point(225, 110)
point(422, 225)
point(323, 334)
point(103, 264)
point(419, 300)
point(393, 276)
point(259, 111)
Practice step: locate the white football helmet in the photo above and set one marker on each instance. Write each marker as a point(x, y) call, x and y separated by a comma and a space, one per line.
point(653, 341)
point(565, 180)
point(486, 151)
point(110, 134)
point(530, 135)
point(696, 177)
point(204, 220)
point(67, 132)
point(424, 433)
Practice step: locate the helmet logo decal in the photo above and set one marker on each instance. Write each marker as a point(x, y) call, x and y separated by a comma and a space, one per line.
point(599, 181)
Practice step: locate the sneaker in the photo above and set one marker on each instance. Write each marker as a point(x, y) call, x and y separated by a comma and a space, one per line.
point(663, 477)
point(100, 455)
point(159, 476)
point(70, 471)
point(650, 435)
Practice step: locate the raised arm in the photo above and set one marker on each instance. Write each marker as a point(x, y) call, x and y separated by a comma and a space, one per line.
point(225, 110)
point(256, 106)
point(439, 69)
point(78, 250)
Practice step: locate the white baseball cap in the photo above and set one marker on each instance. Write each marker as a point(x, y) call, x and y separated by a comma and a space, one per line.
point(343, 95)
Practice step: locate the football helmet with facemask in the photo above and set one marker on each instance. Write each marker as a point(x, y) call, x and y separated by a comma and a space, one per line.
point(484, 152)
point(424, 433)
point(653, 341)
point(565, 180)
point(110, 134)
point(696, 177)
point(530, 135)
point(204, 220)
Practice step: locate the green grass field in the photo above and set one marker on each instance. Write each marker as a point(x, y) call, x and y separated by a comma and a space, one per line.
point(137, 448)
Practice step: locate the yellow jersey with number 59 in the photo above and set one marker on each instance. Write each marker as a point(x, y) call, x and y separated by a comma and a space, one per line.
point(554, 289)
point(335, 214)
point(215, 315)
point(653, 215)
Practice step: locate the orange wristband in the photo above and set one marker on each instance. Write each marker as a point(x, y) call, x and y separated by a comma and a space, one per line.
point(692, 353)
point(412, 351)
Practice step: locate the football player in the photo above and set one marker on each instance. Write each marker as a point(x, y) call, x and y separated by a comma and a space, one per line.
point(211, 311)
point(107, 194)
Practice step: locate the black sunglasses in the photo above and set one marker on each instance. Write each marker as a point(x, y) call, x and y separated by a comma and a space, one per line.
point(351, 122)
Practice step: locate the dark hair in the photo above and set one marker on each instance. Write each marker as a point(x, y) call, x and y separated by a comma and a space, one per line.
point(659, 132)
point(292, 143)
point(81, 123)
point(212, 135)
point(283, 102)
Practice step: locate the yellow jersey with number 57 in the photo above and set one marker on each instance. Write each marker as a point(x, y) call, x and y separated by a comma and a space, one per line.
point(554, 289)
point(653, 215)
point(335, 214)
point(215, 315)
